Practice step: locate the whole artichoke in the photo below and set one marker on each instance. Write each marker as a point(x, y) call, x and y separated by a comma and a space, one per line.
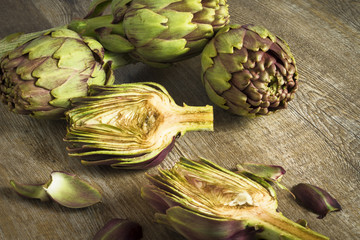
point(203, 201)
point(161, 32)
point(130, 125)
point(39, 77)
point(249, 71)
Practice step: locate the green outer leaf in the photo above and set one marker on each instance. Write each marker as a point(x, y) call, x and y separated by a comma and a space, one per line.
point(30, 191)
point(139, 31)
point(13, 41)
point(163, 50)
point(70, 191)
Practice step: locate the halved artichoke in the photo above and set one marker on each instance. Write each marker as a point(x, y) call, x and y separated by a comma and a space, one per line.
point(130, 125)
point(203, 201)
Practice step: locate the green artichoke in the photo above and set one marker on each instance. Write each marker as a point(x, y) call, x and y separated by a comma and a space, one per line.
point(131, 126)
point(203, 201)
point(161, 32)
point(249, 71)
point(39, 77)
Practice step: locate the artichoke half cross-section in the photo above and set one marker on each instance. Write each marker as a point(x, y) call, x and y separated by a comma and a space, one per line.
point(203, 201)
point(131, 125)
point(39, 77)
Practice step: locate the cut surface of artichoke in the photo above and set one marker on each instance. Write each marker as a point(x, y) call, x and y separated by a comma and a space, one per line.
point(130, 125)
point(219, 203)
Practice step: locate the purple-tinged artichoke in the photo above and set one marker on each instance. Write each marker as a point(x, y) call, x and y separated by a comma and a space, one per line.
point(249, 71)
point(315, 199)
point(203, 201)
point(66, 189)
point(39, 77)
point(119, 229)
point(155, 32)
point(130, 125)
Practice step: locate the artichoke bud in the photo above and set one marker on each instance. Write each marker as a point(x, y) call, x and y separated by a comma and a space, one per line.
point(249, 71)
point(119, 229)
point(130, 125)
point(315, 199)
point(202, 200)
point(168, 31)
point(157, 33)
point(64, 188)
point(39, 77)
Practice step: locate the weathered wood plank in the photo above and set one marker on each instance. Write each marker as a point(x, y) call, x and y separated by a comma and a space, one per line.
point(316, 140)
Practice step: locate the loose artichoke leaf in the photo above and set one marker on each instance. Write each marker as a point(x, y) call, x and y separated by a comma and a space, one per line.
point(30, 191)
point(70, 191)
point(262, 170)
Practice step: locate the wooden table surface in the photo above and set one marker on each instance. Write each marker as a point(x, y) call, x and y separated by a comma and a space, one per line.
point(316, 139)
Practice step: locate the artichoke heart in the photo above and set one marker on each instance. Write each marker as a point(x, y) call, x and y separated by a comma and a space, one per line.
point(130, 125)
point(204, 201)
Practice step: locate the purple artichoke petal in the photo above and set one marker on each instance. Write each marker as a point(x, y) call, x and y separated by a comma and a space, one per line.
point(157, 199)
point(182, 221)
point(315, 199)
point(70, 191)
point(119, 229)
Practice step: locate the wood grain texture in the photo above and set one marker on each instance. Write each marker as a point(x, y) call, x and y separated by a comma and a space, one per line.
point(317, 139)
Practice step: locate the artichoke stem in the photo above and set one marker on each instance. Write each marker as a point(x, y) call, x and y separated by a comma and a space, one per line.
point(276, 226)
point(189, 118)
point(87, 27)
